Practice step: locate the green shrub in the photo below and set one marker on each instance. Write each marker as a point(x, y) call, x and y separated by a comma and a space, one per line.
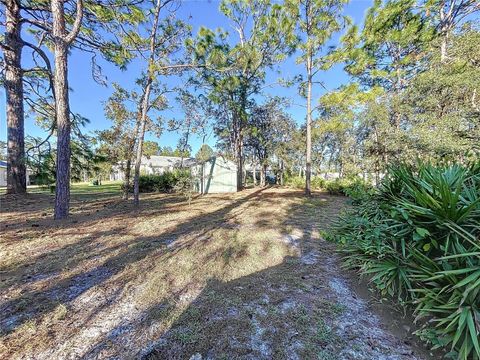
point(358, 189)
point(298, 182)
point(185, 185)
point(318, 183)
point(335, 187)
point(355, 187)
point(418, 238)
point(161, 183)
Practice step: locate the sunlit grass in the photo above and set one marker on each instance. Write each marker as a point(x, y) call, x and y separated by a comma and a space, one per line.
point(82, 188)
point(156, 259)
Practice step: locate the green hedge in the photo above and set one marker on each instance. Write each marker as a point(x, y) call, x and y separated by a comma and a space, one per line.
point(165, 182)
point(354, 187)
point(298, 182)
point(418, 238)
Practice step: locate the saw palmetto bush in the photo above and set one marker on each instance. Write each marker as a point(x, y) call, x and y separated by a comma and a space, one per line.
point(418, 239)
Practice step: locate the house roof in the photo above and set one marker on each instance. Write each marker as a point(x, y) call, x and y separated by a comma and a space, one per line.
point(166, 161)
point(3, 164)
point(214, 157)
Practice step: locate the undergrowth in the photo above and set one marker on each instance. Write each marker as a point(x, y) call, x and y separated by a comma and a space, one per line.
point(418, 238)
point(354, 186)
point(167, 182)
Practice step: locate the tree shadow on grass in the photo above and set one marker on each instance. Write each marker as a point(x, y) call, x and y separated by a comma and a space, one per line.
point(37, 209)
point(44, 201)
point(265, 315)
point(286, 311)
point(121, 215)
point(223, 321)
point(276, 312)
point(32, 304)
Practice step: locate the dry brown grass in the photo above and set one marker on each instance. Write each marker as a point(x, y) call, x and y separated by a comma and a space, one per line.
point(64, 283)
point(217, 277)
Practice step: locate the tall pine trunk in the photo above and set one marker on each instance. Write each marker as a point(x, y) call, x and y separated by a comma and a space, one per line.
point(239, 122)
point(62, 41)
point(126, 179)
point(308, 166)
point(282, 169)
point(443, 48)
point(239, 161)
point(62, 189)
point(16, 167)
point(263, 175)
point(444, 32)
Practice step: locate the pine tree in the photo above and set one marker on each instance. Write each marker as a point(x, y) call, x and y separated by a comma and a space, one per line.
point(12, 50)
point(165, 38)
point(61, 26)
point(232, 71)
point(318, 20)
point(446, 15)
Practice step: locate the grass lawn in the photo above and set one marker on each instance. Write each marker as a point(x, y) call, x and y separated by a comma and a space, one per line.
point(107, 187)
point(243, 275)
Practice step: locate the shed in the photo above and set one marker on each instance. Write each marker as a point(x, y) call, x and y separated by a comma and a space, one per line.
point(215, 175)
point(3, 173)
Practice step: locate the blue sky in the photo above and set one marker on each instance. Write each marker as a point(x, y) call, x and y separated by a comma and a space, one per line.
point(87, 96)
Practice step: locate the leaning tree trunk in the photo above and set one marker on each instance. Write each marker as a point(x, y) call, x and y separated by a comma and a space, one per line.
point(16, 167)
point(141, 137)
point(145, 104)
point(61, 42)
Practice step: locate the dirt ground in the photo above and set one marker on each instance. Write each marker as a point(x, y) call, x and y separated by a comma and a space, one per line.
point(234, 276)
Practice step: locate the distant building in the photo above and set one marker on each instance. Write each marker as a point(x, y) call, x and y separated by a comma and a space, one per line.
point(216, 175)
point(154, 165)
point(3, 174)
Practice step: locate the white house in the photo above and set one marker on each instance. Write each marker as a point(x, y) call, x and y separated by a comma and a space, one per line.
point(154, 165)
point(3, 174)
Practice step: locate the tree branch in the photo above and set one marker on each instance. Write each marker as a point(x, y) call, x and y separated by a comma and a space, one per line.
point(45, 58)
point(77, 23)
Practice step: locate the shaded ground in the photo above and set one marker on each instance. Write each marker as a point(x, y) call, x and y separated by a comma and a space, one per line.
point(242, 275)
